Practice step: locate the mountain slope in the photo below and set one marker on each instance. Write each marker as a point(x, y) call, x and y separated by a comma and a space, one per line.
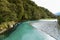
point(57, 14)
point(16, 10)
point(20, 10)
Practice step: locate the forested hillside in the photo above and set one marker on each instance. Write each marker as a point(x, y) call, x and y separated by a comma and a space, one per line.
point(20, 10)
point(16, 10)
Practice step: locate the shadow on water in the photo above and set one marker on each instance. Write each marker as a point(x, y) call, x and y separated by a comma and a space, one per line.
point(8, 32)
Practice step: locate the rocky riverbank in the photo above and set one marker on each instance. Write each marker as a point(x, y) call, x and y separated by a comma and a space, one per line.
point(6, 26)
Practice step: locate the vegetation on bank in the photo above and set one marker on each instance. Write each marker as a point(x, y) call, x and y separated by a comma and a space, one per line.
point(21, 10)
point(6, 25)
point(58, 17)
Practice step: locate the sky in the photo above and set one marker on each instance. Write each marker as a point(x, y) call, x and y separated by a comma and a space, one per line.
point(51, 5)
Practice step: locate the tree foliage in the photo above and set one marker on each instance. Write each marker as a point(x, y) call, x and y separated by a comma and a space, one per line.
point(18, 10)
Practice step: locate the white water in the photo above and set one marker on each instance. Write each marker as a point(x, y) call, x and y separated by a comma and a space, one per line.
point(48, 26)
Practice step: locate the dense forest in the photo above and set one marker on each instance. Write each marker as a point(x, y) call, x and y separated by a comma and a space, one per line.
point(17, 10)
point(20, 10)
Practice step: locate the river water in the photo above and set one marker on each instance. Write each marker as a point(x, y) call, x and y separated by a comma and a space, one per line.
point(28, 31)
